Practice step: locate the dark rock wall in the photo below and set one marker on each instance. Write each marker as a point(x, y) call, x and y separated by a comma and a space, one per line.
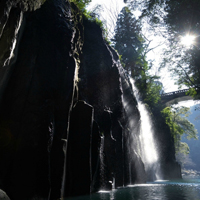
point(64, 129)
point(99, 86)
point(37, 100)
point(103, 85)
point(169, 166)
point(79, 150)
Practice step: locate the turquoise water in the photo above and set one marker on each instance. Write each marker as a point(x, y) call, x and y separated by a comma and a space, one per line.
point(184, 189)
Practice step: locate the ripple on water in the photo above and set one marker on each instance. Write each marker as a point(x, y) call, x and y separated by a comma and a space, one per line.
point(165, 190)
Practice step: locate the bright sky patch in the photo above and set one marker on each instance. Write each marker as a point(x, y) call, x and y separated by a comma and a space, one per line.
point(188, 40)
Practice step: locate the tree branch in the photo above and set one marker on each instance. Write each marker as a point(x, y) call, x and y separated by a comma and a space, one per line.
point(186, 74)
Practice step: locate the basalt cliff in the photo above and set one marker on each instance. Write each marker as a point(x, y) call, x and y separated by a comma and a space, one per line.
point(64, 126)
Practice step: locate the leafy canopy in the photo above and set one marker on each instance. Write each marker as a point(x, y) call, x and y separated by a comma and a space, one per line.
point(171, 19)
point(175, 118)
point(81, 4)
point(132, 47)
point(174, 19)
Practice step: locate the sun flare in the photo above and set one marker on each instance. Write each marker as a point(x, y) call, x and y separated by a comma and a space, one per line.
point(188, 40)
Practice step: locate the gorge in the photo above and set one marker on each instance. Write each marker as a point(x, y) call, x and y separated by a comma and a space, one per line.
point(68, 116)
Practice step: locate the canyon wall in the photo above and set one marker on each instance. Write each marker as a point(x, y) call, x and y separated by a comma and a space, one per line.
point(63, 120)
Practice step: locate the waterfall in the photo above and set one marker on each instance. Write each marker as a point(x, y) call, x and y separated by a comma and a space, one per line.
point(148, 150)
point(102, 165)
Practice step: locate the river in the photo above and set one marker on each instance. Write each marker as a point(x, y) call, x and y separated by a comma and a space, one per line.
point(184, 189)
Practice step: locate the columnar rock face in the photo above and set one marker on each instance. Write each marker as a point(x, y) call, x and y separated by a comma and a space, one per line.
point(170, 168)
point(63, 121)
point(38, 80)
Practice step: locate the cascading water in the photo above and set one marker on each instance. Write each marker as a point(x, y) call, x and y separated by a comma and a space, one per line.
point(102, 169)
point(148, 150)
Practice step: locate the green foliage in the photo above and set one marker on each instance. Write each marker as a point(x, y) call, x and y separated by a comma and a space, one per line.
point(92, 16)
point(178, 18)
point(152, 97)
point(182, 18)
point(151, 11)
point(127, 40)
point(183, 148)
point(175, 118)
point(194, 144)
point(81, 4)
point(99, 22)
point(192, 92)
point(183, 65)
point(132, 47)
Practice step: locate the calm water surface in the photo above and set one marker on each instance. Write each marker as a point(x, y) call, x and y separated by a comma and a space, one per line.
point(185, 189)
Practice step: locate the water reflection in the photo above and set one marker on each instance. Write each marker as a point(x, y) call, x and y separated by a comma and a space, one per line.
point(164, 190)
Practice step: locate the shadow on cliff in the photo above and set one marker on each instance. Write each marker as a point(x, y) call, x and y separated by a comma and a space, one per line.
point(63, 127)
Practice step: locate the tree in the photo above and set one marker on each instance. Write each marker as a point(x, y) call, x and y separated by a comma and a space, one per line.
point(175, 118)
point(152, 14)
point(183, 18)
point(81, 4)
point(128, 41)
point(169, 19)
point(185, 160)
point(177, 18)
point(132, 47)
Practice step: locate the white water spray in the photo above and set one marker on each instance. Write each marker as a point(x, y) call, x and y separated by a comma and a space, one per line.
point(148, 149)
point(102, 169)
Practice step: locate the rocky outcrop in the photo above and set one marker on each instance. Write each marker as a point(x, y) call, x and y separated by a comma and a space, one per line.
point(63, 94)
point(38, 80)
point(171, 169)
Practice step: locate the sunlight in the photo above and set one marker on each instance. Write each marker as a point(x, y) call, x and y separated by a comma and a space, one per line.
point(188, 40)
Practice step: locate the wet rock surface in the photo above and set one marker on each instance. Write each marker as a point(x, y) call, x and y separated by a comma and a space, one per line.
point(3, 195)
